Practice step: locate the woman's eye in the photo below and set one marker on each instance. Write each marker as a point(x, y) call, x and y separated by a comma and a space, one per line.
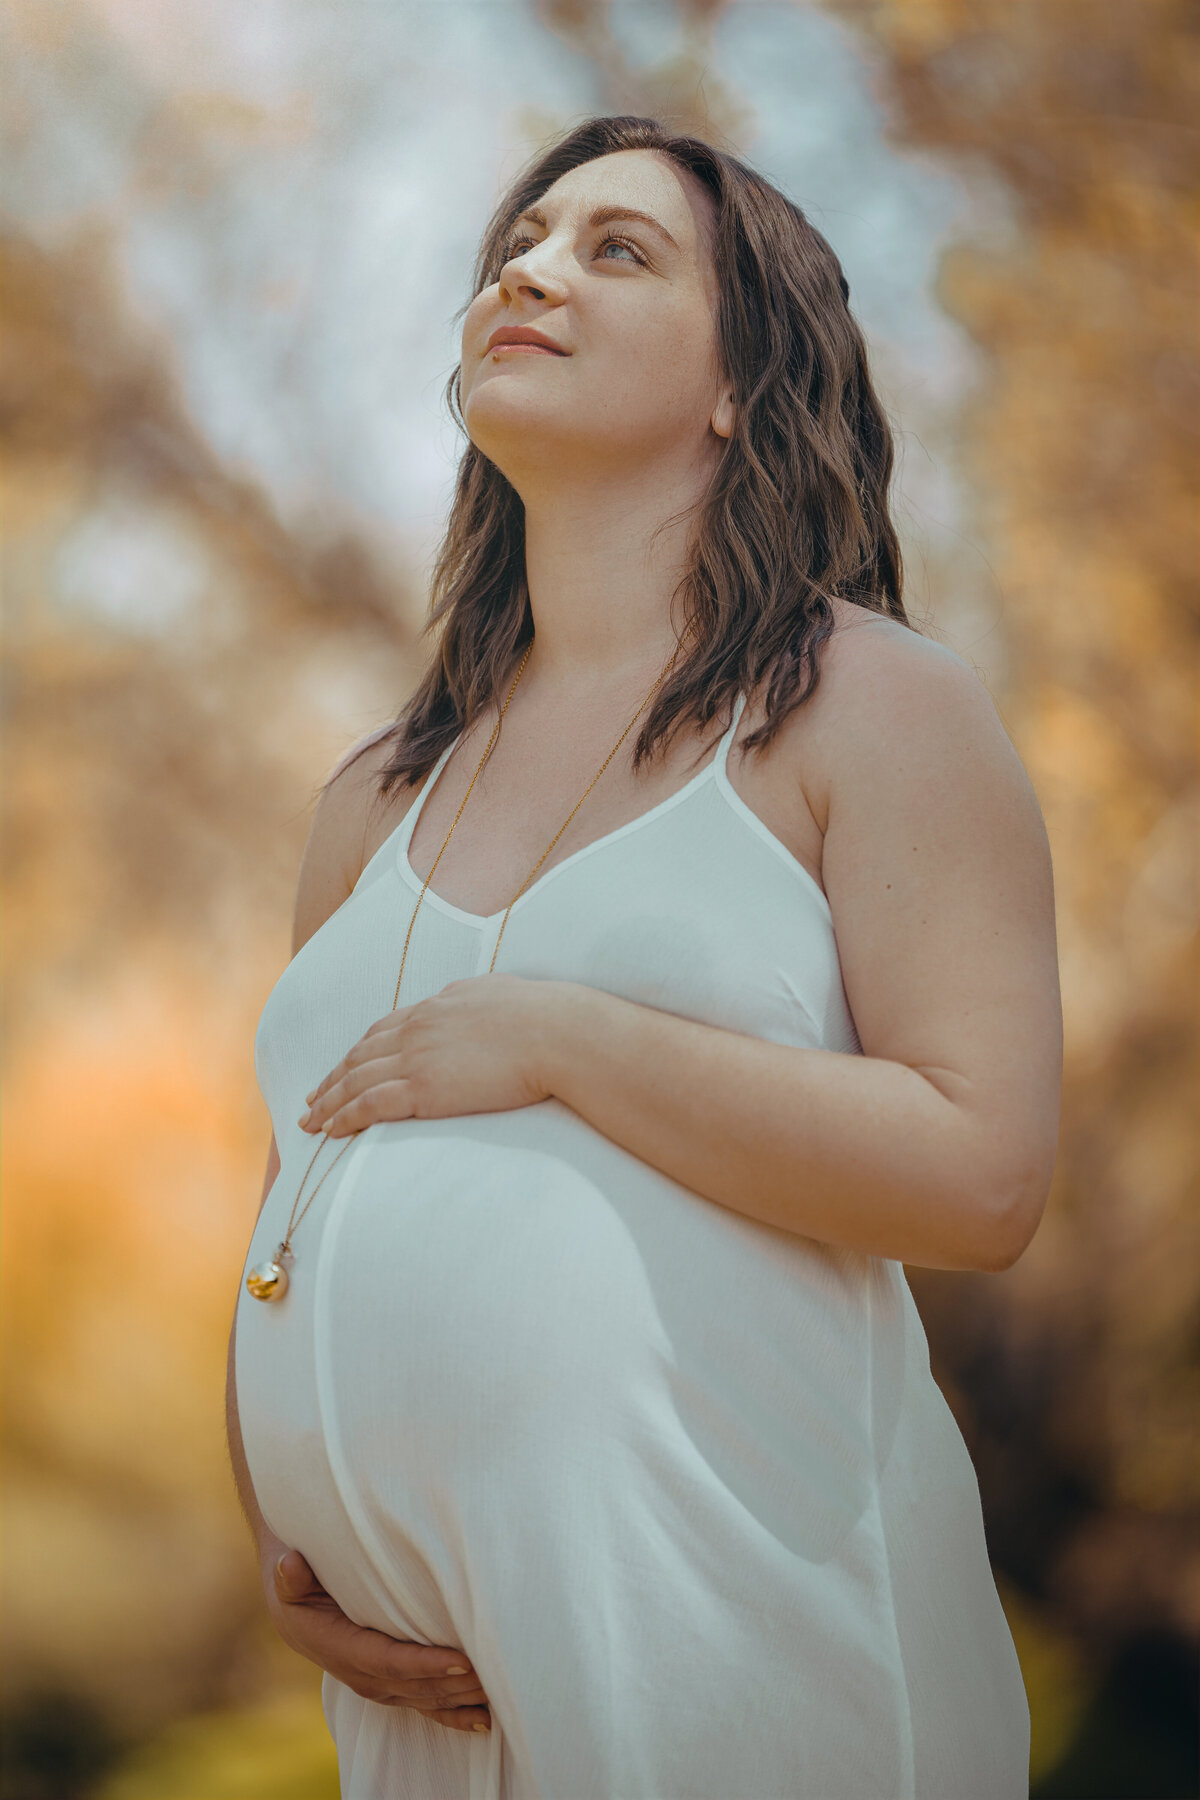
point(511, 248)
point(614, 238)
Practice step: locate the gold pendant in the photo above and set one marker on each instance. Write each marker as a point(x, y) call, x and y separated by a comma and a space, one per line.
point(269, 1280)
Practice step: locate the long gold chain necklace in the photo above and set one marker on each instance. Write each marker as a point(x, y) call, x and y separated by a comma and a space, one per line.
point(269, 1280)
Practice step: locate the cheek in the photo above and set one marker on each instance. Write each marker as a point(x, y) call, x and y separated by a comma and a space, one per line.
point(477, 323)
point(666, 352)
point(658, 388)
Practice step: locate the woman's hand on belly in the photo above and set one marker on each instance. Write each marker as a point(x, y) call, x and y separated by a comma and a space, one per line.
point(477, 1046)
point(390, 1671)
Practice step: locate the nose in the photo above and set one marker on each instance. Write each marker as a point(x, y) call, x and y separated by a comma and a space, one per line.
point(531, 272)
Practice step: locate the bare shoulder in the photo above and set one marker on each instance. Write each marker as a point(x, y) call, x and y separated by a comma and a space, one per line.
point(869, 646)
point(891, 698)
point(341, 836)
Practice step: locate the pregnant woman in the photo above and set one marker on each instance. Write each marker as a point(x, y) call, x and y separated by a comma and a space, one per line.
point(653, 1002)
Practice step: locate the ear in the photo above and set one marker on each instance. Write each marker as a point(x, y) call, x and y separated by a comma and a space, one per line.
point(722, 418)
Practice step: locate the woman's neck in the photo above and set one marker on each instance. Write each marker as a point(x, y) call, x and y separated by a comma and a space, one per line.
point(601, 583)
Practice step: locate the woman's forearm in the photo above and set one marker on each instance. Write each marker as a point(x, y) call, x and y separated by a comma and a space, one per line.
point(850, 1150)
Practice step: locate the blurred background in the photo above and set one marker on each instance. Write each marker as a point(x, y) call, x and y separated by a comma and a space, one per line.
point(234, 238)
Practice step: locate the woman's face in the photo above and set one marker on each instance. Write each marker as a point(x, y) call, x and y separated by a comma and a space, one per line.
point(632, 312)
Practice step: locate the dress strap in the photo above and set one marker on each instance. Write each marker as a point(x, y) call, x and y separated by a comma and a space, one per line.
point(408, 824)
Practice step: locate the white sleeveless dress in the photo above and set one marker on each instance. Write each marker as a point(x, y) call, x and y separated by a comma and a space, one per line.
point(679, 1483)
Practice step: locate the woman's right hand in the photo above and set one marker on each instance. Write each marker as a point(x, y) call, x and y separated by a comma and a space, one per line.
point(390, 1671)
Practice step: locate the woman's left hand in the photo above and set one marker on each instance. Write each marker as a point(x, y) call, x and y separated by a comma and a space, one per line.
point(477, 1046)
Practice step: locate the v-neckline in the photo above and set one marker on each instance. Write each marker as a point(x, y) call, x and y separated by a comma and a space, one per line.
point(408, 825)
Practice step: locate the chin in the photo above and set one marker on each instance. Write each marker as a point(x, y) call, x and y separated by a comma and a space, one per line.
point(507, 434)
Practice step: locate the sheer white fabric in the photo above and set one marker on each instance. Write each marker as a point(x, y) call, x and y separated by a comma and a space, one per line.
point(680, 1484)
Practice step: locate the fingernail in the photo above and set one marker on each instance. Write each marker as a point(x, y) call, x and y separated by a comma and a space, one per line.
point(455, 1669)
point(479, 1726)
point(311, 1095)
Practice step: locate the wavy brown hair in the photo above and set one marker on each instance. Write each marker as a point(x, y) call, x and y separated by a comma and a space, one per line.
point(796, 511)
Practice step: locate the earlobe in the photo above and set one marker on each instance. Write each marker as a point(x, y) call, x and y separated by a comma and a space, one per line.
point(722, 418)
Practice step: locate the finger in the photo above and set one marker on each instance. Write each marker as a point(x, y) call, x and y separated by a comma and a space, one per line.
point(334, 1075)
point(375, 1665)
point(326, 1103)
point(399, 1662)
point(426, 1691)
point(371, 1044)
point(294, 1579)
point(476, 1718)
point(379, 1667)
point(351, 1083)
point(387, 1100)
point(390, 1023)
point(399, 1694)
point(428, 1696)
point(359, 1053)
point(384, 1695)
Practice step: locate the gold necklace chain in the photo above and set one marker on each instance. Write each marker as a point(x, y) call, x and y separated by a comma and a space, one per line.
point(269, 1280)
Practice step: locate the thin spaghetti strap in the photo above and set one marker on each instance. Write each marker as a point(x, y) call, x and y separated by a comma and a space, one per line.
point(408, 824)
point(397, 841)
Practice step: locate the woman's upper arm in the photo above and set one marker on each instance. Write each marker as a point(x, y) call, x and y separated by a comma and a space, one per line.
point(334, 854)
point(272, 1171)
point(937, 868)
point(332, 862)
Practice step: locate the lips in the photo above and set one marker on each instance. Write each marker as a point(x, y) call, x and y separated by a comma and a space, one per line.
point(524, 337)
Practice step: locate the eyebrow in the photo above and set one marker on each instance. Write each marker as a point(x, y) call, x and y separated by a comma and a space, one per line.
point(604, 215)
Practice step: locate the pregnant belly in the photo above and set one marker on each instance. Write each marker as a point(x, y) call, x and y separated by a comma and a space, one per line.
point(495, 1284)
point(512, 1289)
point(476, 1287)
point(471, 1302)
